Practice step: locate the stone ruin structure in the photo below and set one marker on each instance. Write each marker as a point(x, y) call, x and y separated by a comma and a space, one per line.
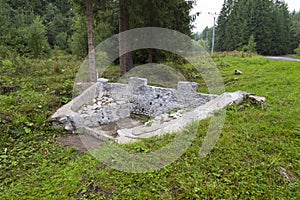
point(104, 109)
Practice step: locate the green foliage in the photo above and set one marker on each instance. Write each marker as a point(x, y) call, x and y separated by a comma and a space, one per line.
point(295, 31)
point(105, 25)
point(268, 21)
point(171, 14)
point(64, 24)
point(17, 21)
point(297, 51)
point(37, 40)
point(57, 17)
point(206, 36)
point(62, 41)
point(12, 25)
point(29, 95)
point(251, 47)
point(203, 43)
point(79, 38)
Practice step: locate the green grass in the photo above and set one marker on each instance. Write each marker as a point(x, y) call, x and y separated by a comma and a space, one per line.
point(245, 164)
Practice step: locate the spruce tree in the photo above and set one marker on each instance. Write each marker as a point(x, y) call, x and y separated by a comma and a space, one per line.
point(269, 22)
point(37, 40)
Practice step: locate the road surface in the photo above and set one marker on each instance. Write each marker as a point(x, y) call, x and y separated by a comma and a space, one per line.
point(282, 58)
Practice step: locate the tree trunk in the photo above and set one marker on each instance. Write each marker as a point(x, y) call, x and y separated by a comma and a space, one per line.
point(91, 43)
point(126, 62)
point(150, 55)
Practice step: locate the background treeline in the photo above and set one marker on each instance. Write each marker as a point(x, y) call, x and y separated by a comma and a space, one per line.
point(33, 28)
point(262, 25)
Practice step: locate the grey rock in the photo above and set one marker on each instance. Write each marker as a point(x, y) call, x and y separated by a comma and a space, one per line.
point(63, 120)
point(69, 127)
point(187, 87)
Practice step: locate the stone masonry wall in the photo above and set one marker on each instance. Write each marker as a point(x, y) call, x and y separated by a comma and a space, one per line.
point(139, 98)
point(105, 102)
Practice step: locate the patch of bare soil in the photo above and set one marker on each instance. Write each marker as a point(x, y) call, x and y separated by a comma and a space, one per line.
point(82, 143)
point(85, 142)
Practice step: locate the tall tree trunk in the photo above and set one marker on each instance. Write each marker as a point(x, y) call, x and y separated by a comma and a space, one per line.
point(126, 62)
point(150, 55)
point(91, 43)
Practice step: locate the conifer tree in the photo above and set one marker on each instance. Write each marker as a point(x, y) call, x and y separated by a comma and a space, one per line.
point(36, 38)
point(268, 21)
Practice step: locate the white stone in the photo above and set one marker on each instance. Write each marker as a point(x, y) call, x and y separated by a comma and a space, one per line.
point(238, 72)
point(63, 120)
point(120, 102)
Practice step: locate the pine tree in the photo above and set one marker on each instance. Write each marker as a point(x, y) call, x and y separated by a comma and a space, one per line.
point(251, 46)
point(295, 30)
point(206, 36)
point(37, 40)
point(281, 30)
point(269, 22)
point(78, 42)
point(222, 22)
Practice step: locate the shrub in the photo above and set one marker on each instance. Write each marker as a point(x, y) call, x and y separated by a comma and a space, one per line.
point(251, 46)
point(297, 51)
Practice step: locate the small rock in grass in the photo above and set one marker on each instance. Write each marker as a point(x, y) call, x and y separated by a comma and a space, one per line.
point(259, 100)
point(238, 72)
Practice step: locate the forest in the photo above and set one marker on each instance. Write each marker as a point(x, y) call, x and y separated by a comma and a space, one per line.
point(37, 27)
point(34, 28)
point(265, 27)
point(269, 23)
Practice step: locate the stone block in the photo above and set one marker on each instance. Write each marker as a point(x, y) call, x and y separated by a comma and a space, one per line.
point(118, 91)
point(187, 87)
point(101, 83)
point(135, 83)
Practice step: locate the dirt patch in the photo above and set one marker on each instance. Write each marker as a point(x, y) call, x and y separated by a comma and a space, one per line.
point(82, 143)
point(87, 142)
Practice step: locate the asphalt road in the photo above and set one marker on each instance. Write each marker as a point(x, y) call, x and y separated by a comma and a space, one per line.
point(282, 58)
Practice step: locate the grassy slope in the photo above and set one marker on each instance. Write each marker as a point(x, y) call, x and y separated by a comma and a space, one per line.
point(245, 163)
